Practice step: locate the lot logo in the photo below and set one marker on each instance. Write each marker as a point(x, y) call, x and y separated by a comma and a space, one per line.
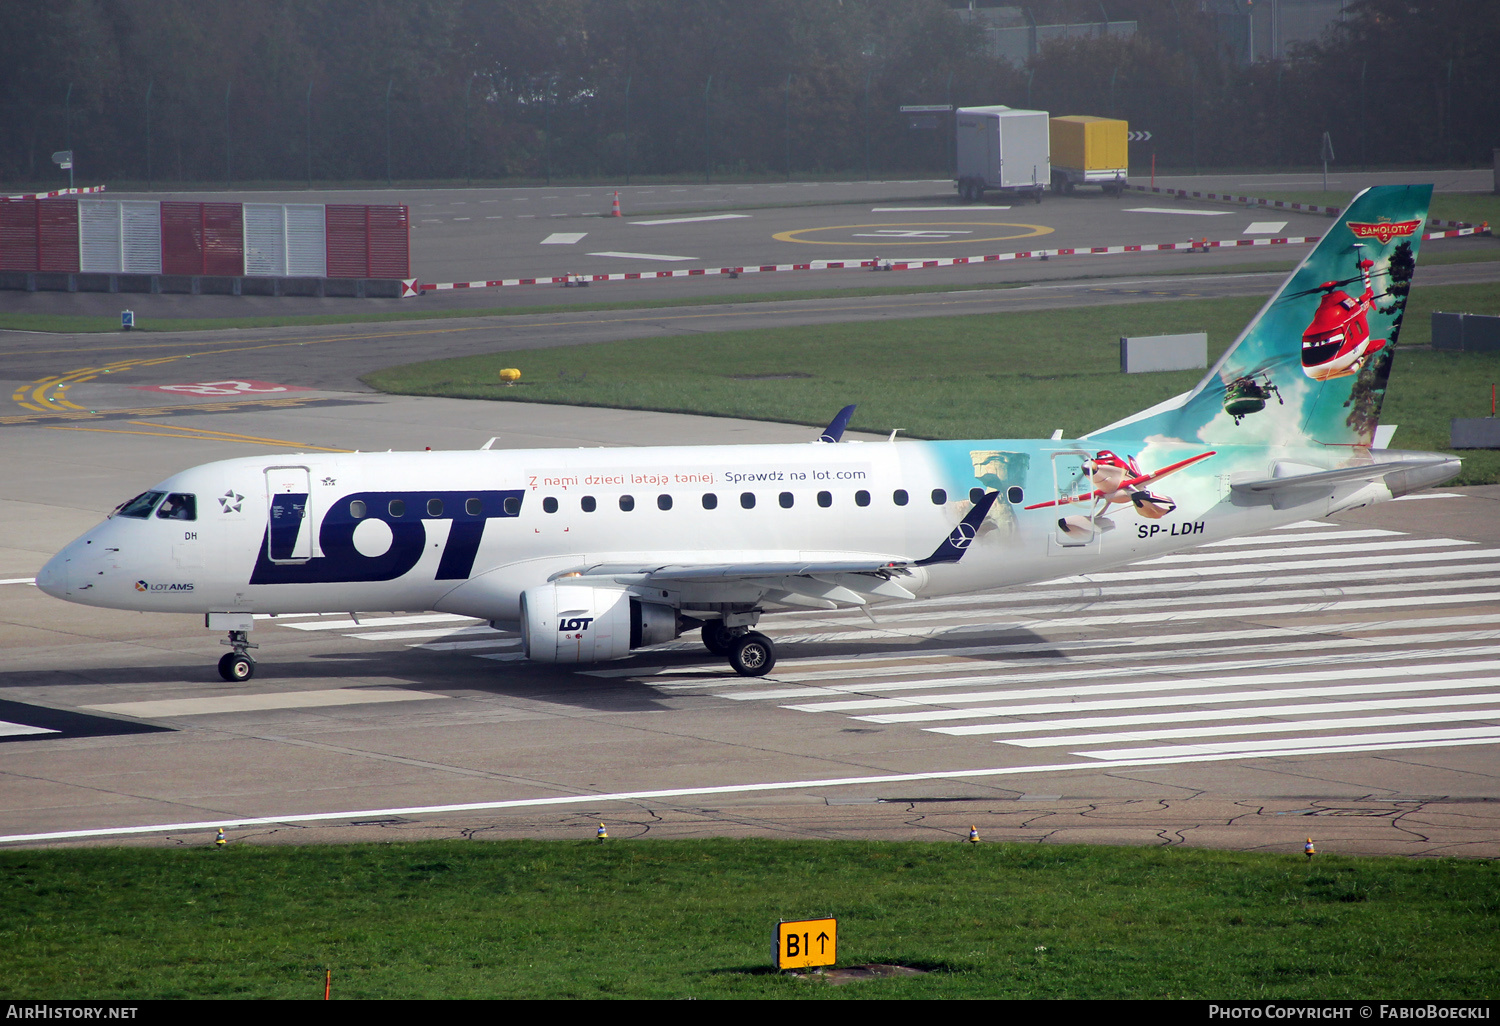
point(577, 623)
point(143, 586)
point(1385, 231)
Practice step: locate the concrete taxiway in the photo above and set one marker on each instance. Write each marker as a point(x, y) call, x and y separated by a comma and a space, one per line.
point(1334, 680)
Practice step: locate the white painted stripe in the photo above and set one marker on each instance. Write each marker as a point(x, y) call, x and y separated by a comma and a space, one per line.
point(1308, 745)
point(464, 646)
point(1322, 536)
point(1305, 550)
point(563, 238)
point(1172, 210)
point(603, 798)
point(1157, 701)
point(1172, 682)
point(643, 256)
point(379, 621)
point(8, 729)
point(1264, 228)
point(1251, 567)
point(1223, 715)
point(851, 663)
point(690, 220)
point(19, 580)
point(1248, 729)
point(435, 632)
point(259, 703)
point(903, 210)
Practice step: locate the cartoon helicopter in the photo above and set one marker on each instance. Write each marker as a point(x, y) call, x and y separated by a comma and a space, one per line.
point(1337, 342)
point(1116, 480)
point(1245, 395)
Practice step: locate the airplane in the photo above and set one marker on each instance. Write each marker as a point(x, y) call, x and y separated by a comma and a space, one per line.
point(592, 554)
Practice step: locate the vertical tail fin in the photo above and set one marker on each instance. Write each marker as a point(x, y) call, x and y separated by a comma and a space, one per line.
point(1311, 368)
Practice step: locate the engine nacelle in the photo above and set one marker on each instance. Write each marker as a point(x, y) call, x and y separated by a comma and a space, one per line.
point(585, 623)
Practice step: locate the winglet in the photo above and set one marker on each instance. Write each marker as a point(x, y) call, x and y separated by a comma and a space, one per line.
point(835, 429)
point(953, 547)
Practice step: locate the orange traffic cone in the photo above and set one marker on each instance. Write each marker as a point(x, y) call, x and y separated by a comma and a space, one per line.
point(615, 209)
point(973, 835)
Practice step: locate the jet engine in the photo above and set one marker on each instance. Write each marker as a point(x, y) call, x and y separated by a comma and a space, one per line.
point(584, 623)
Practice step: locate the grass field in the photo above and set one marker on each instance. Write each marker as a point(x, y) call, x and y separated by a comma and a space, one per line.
point(1018, 375)
point(675, 919)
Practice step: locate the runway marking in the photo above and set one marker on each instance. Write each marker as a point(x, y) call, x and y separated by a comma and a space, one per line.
point(1172, 210)
point(688, 220)
point(1264, 228)
point(813, 784)
point(1309, 745)
point(172, 431)
point(1242, 730)
point(21, 729)
point(642, 256)
point(1028, 231)
point(923, 210)
point(165, 707)
point(562, 238)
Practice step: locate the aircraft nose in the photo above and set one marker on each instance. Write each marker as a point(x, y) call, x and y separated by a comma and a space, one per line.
point(53, 578)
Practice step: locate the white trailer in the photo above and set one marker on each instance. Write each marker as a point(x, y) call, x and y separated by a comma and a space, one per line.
point(1003, 149)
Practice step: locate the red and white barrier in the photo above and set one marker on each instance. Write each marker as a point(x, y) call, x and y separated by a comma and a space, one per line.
point(54, 194)
point(415, 287)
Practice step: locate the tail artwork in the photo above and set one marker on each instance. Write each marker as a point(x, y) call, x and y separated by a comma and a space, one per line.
point(1311, 368)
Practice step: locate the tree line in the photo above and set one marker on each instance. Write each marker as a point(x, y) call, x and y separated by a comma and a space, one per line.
point(172, 91)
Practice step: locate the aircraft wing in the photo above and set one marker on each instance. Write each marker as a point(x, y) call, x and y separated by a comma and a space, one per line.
point(811, 580)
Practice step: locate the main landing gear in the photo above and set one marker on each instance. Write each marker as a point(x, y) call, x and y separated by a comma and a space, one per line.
point(751, 653)
point(237, 666)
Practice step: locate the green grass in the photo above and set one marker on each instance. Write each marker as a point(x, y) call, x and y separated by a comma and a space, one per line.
point(675, 919)
point(1008, 375)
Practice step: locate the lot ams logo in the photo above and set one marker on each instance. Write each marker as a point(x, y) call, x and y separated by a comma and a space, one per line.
point(143, 586)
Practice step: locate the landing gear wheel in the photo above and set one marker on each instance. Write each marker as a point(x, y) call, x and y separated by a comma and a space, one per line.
point(753, 655)
point(717, 638)
point(236, 668)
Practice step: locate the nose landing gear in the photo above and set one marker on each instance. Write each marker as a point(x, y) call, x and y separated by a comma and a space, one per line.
point(237, 666)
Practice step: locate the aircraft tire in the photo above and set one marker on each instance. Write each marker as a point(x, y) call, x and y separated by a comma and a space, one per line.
point(236, 668)
point(716, 638)
point(753, 655)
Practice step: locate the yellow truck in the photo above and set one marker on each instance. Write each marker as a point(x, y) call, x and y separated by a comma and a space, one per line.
point(1089, 151)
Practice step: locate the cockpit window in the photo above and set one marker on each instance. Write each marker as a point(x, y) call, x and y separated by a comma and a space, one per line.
point(141, 506)
point(178, 507)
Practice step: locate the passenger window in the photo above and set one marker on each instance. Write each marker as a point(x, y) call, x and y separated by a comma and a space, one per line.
point(747, 500)
point(627, 503)
point(549, 504)
point(434, 507)
point(785, 498)
point(939, 496)
point(512, 506)
point(1014, 495)
point(178, 507)
point(825, 499)
point(397, 508)
point(139, 508)
point(357, 509)
point(861, 498)
point(473, 507)
point(975, 494)
point(710, 500)
point(899, 496)
point(663, 502)
point(587, 504)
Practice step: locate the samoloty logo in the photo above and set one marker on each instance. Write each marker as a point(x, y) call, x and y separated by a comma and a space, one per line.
point(1385, 231)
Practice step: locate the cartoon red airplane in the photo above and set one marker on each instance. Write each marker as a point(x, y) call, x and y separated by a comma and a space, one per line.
point(1118, 480)
point(1337, 342)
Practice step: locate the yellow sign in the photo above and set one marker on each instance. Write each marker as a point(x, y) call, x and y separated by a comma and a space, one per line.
point(805, 943)
point(917, 233)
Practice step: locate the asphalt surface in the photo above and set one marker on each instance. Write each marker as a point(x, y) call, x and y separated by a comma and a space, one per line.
point(1331, 680)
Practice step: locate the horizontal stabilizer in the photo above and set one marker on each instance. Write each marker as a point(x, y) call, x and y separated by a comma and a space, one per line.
point(1414, 474)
